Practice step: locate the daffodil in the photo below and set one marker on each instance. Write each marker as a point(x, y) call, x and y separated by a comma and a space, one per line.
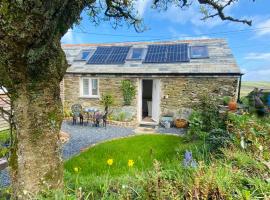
point(130, 163)
point(76, 169)
point(110, 162)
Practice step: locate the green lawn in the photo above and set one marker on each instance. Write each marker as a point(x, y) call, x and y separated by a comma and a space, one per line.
point(248, 86)
point(142, 149)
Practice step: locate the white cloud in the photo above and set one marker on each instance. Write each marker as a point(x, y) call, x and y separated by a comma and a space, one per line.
point(259, 74)
point(258, 56)
point(263, 28)
point(141, 6)
point(192, 15)
point(68, 38)
point(182, 36)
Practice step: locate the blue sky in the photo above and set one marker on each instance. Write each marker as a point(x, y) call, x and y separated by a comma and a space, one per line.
point(250, 45)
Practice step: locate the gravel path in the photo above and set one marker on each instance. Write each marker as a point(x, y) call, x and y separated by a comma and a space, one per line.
point(84, 136)
point(80, 137)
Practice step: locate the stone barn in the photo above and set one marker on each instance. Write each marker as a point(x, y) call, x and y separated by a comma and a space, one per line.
point(168, 76)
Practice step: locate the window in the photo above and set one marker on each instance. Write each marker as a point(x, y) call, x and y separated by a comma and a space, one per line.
point(199, 52)
point(89, 87)
point(137, 54)
point(84, 55)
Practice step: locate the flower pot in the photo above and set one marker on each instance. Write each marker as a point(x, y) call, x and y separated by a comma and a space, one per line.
point(232, 105)
point(181, 123)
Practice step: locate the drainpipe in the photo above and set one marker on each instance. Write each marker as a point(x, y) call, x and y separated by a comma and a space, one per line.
point(239, 88)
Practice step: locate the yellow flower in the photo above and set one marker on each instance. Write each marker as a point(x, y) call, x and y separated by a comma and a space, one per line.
point(110, 162)
point(76, 169)
point(130, 163)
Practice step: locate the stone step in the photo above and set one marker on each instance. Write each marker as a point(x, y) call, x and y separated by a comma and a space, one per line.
point(144, 130)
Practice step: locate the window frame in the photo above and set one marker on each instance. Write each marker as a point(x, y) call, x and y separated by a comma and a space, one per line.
point(90, 87)
point(201, 56)
point(129, 56)
point(79, 57)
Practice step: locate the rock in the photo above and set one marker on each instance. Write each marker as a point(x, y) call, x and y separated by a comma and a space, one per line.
point(64, 137)
point(3, 163)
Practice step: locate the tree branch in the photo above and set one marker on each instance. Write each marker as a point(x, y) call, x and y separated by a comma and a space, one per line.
point(220, 11)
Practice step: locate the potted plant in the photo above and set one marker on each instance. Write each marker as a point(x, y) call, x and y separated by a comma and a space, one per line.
point(181, 118)
point(181, 123)
point(232, 105)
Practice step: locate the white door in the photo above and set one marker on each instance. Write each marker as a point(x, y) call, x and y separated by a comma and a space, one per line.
point(155, 100)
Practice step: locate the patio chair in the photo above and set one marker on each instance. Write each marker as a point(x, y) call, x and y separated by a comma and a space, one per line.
point(76, 110)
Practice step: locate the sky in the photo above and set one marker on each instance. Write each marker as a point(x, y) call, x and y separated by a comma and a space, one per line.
point(250, 45)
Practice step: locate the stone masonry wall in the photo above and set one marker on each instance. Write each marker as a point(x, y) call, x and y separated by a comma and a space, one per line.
point(110, 85)
point(185, 92)
point(182, 92)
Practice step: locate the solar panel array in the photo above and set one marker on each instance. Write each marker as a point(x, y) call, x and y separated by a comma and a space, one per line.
point(109, 55)
point(167, 53)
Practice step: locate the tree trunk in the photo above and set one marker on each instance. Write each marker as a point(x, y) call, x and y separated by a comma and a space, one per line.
point(36, 162)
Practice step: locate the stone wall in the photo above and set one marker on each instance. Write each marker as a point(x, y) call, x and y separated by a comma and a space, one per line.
point(176, 92)
point(182, 92)
point(110, 85)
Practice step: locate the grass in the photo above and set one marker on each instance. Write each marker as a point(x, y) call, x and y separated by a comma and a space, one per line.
point(248, 86)
point(4, 136)
point(143, 150)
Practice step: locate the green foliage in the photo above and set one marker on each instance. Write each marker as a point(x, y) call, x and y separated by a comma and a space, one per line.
point(251, 133)
point(209, 110)
point(4, 140)
point(4, 136)
point(107, 100)
point(226, 100)
point(218, 138)
point(121, 116)
point(207, 123)
point(195, 130)
point(129, 91)
point(67, 113)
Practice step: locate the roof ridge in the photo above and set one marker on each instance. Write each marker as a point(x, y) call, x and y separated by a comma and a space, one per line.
point(144, 43)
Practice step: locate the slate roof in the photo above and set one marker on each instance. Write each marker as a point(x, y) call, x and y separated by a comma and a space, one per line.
point(220, 61)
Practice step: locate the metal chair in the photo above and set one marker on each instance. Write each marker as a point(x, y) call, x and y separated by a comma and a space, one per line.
point(76, 110)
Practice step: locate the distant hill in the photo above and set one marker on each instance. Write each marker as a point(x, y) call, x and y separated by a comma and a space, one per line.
point(248, 86)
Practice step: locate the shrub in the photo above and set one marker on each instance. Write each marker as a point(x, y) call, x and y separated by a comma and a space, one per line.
point(250, 133)
point(107, 100)
point(218, 138)
point(211, 118)
point(128, 90)
point(226, 100)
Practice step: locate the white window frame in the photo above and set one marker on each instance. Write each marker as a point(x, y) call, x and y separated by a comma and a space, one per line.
point(90, 88)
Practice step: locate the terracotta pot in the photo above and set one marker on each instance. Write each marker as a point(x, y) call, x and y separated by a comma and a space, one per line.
point(181, 123)
point(232, 105)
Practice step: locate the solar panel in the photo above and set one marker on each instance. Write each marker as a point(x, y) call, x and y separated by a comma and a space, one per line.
point(100, 55)
point(118, 55)
point(109, 55)
point(167, 53)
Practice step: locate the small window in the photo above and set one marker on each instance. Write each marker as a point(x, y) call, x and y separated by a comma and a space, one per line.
point(199, 52)
point(84, 55)
point(89, 87)
point(136, 54)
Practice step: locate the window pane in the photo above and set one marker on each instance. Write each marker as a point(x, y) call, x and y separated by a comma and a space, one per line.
point(94, 87)
point(199, 52)
point(85, 54)
point(85, 87)
point(137, 53)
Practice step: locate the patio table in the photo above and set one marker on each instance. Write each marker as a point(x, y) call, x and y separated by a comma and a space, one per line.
point(91, 112)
